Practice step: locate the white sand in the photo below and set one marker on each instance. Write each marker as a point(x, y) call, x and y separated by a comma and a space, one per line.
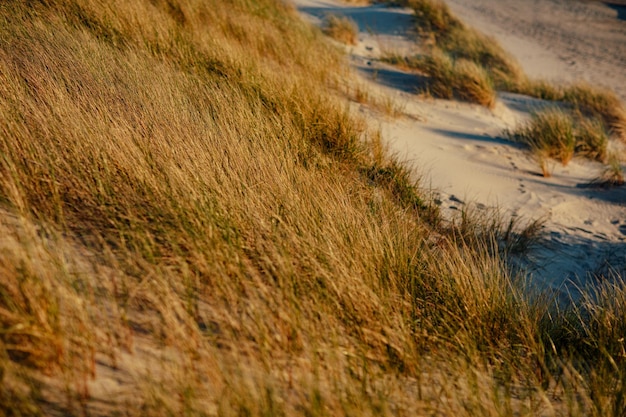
point(459, 149)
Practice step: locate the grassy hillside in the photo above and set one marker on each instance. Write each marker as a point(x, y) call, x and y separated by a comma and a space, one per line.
point(192, 223)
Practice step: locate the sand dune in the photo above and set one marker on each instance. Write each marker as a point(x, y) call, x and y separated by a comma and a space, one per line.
point(563, 40)
point(459, 148)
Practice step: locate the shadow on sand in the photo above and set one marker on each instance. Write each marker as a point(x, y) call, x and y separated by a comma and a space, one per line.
point(393, 78)
point(611, 195)
point(477, 138)
point(620, 8)
point(380, 19)
point(565, 265)
point(590, 190)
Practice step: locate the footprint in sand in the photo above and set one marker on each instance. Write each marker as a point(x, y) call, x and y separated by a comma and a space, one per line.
point(622, 229)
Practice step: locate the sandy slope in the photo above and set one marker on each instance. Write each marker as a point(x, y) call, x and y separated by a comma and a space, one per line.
point(459, 148)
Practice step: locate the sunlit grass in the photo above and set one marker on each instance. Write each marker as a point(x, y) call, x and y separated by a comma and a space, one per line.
point(613, 174)
point(341, 28)
point(193, 223)
point(556, 133)
point(461, 79)
point(588, 100)
point(444, 31)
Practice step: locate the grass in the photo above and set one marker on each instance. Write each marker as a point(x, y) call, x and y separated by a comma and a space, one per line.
point(192, 224)
point(556, 134)
point(461, 79)
point(385, 104)
point(443, 31)
point(613, 174)
point(341, 28)
point(466, 65)
point(590, 101)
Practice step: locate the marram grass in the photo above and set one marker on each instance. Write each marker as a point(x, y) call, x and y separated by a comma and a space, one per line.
point(341, 28)
point(192, 223)
point(451, 78)
point(556, 133)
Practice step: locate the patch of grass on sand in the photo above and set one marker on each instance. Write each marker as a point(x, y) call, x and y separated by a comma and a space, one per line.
point(442, 30)
point(613, 175)
point(449, 42)
point(556, 133)
point(434, 18)
point(550, 133)
point(341, 28)
point(590, 101)
point(456, 78)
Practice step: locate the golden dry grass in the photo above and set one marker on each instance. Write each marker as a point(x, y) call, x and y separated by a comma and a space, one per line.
point(460, 62)
point(556, 133)
point(193, 224)
point(461, 79)
point(341, 28)
point(613, 174)
point(440, 29)
point(550, 133)
point(590, 101)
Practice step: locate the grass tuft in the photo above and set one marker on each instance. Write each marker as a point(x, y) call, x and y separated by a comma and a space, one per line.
point(341, 28)
point(550, 132)
point(434, 18)
point(555, 133)
point(590, 101)
point(600, 103)
point(613, 175)
point(445, 32)
point(461, 79)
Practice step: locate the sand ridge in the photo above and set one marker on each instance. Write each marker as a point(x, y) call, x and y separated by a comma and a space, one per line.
point(459, 149)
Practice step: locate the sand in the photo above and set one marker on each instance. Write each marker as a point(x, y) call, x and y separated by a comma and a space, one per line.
point(561, 40)
point(459, 149)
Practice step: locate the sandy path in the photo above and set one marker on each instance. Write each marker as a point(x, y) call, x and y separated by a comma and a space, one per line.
point(460, 152)
point(564, 40)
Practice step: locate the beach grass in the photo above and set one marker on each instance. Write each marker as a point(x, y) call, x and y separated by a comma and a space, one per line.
point(441, 30)
point(558, 134)
point(450, 78)
point(192, 222)
point(613, 175)
point(341, 28)
point(590, 101)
